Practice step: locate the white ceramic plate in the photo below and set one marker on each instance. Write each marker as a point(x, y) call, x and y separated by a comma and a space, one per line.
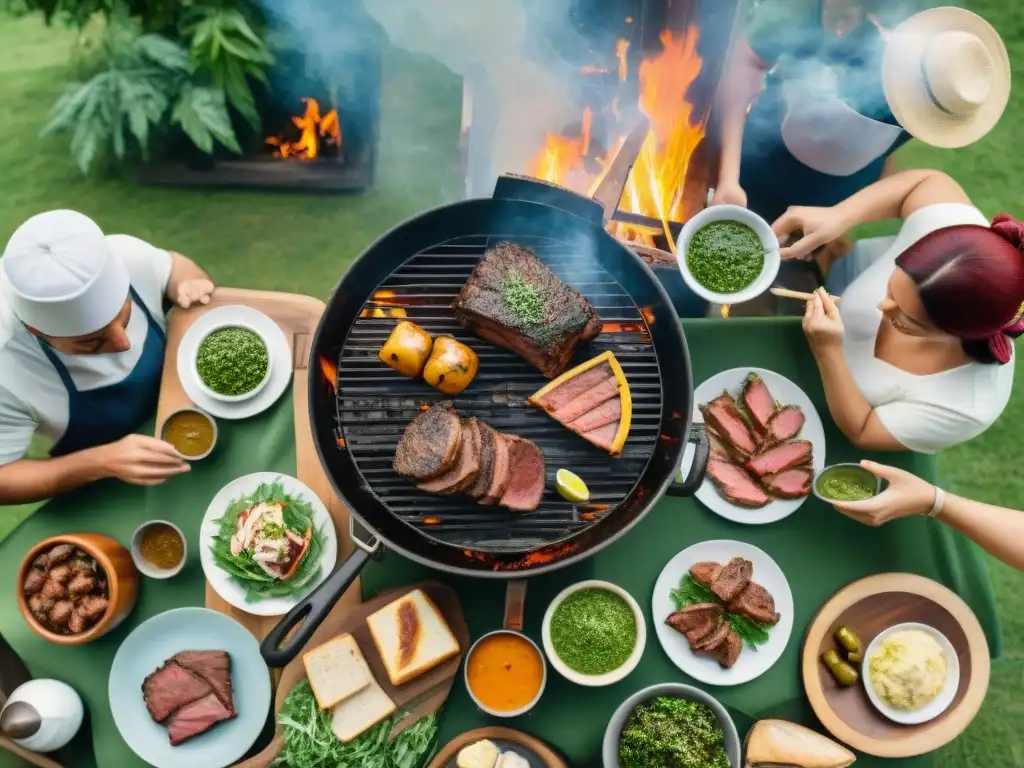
point(277, 346)
point(153, 642)
point(936, 706)
point(231, 590)
point(751, 664)
point(785, 392)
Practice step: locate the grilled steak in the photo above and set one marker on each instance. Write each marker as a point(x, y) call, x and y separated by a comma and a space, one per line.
point(711, 640)
point(732, 579)
point(465, 471)
point(214, 667)
point(508, 285)
point(719, 447)
point(705, 573)
point(574, 388)
point(170, 688)
point(735, 485)
point(501, 472)
point(780, 457)
point(526, 469)
point(603, 437)
point(758, 401)
point(196, 718)
point(695, 621)
point(587, 401)
point(430, 445)
point(483, 478)
point(755, 602)
point(724, 417)
point(785, 424)
point(728, 651)
point(789, 484)
point(607, 413)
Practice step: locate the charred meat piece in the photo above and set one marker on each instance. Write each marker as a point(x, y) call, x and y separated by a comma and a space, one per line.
point(515, 302)
point(756, 603)
point(789, 484)
point(728, 651)
point(196, 718)
point(785, 424)
point(705, 573)
point(34, 581)
point(732, 579)
point(214, 667)
point(60, 553)
point(61, 573)
point(695, 621)
point(430, 445)
point(780, 457)
point(758, 401)
point(724, 417)
point(170, 688)
point(526, 470)
point(502, 472)
point(483, 478)
point(735, 485)
point(713, 638)
point(81, 584)
point(93, 606)
point(465, 471)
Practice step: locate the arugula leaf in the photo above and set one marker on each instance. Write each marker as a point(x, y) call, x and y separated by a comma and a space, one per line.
point(691, 592)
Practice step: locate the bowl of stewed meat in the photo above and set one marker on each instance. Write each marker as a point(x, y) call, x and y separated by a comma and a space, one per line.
point(76, 587)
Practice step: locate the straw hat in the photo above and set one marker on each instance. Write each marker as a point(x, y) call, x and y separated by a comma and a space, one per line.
point(946, 76)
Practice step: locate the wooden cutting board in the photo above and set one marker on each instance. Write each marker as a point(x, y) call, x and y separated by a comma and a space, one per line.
point(298, 317)
point(537, 753)
point(419, 697)
point(868, 607)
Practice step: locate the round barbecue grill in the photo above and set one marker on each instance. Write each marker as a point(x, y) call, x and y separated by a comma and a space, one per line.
point(359, 407)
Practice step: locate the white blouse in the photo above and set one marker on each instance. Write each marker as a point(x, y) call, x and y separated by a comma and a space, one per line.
point(931, 412)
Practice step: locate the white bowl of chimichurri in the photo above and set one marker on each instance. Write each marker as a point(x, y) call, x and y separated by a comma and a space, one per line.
point(232, 362)
point(846, 482)
point(728, 255)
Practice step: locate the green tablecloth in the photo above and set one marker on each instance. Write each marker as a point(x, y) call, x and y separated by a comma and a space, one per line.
point(819, 550)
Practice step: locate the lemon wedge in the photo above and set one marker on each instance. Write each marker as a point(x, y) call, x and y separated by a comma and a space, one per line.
point(570, 486)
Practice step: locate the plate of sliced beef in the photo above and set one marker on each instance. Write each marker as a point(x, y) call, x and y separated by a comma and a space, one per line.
point(723, 612)
point(188, 687)
point(767, 442)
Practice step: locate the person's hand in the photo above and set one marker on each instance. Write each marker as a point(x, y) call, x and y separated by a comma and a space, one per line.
point(141, 460)
point(193, 292)
point(729, 194)
point(906, 495)
point(822, 324)
point(816, 226)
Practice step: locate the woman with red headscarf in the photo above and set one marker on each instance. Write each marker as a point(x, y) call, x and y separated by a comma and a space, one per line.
point(918, 355)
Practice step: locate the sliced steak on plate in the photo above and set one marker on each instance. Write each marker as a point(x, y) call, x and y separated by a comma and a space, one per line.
point(724, 417)
point(526, 472)
point(758, 401)
point(214, 667)
point(732, 579)
point(170, 688)
point(756, 603)
point(735, 485)
point(196, 718)
point(464, 472)
point(705, 573)
point(430, 445)
point(728, 651)
point(781, 457)
point(695, 621)
point(713, 638)
point(785, 424)
point(486, 306)
point(790, 483)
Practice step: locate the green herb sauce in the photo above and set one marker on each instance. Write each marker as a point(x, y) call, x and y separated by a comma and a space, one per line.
point(667, 731)
point(725, 256)
point(523, 298)
point(847, 484)
point(232, 361)
point(593, 631)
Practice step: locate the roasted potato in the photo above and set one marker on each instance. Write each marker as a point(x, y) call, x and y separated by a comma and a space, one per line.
point(451, 367)
point(60, 553)
point(61, 573)
point(34, 581)
point(93, 606)
point(53, 589)
point(82, 584)
point(406, 349)
point(77, 623)
point(61, 612)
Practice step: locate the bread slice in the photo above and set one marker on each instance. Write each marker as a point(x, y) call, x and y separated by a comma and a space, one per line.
point(358, 714)
point(411, 636)
point(773, 743)
point(336, 670)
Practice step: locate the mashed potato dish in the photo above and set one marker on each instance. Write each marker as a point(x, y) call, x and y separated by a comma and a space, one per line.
point(908, 670)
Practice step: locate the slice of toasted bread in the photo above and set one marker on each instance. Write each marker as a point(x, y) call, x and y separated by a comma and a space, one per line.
point(336, 670)
point(358, 714)
point(411, 636)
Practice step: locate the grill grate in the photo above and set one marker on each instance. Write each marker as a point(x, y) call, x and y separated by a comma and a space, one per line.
point(374, 403)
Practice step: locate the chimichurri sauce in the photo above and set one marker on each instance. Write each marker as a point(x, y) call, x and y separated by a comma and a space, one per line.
point(846, 485)
point(725, 256)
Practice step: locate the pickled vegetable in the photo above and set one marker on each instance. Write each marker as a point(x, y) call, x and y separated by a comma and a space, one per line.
point(407, 349)
point(451, 367)
point(844, 674)
point(848, 640)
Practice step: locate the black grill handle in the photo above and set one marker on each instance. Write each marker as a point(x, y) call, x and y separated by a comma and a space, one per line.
point(699, 466)
point(311, 611)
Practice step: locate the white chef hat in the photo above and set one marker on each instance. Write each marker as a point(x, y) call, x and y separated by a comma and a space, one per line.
point(60, 277)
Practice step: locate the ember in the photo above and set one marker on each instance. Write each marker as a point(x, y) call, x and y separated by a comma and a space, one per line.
point(540, 557)
point(330, 373)
point(315, 131)
point(382, 301)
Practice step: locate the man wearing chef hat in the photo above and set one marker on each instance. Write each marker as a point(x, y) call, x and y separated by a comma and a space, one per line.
point(81, 353)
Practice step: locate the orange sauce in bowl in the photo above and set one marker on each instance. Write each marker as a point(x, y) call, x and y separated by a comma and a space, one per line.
point(505, 672)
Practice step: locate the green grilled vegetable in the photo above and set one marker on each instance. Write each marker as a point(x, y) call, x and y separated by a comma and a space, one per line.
point(691, 592)
point(674, 733)
point(848, 639)
point(844, 674)
point(309, 741)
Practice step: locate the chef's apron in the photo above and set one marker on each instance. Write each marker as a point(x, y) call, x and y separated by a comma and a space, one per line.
point(106, 414)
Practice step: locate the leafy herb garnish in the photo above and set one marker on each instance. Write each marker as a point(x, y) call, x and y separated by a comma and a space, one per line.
point(309, 741)
point(523, 298)
point(691, 592)
point(298, 518)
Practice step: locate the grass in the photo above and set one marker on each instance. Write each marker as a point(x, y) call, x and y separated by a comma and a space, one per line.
point(304, 243)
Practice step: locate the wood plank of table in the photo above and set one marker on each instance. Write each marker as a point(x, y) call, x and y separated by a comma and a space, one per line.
point(298, 317)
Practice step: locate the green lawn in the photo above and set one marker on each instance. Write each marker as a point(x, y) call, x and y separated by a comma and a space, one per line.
point(304, 243)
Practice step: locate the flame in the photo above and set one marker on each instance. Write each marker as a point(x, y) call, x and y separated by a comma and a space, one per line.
point(621, 50)
point(313, 128)
point(724, 312)
point(330, 373)
point(431, 520)
point(648, 314)
point(424, 406)
point(341, 442)
point(383, 298)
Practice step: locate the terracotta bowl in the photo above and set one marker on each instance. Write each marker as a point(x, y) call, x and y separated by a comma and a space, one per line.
point(122, 583)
